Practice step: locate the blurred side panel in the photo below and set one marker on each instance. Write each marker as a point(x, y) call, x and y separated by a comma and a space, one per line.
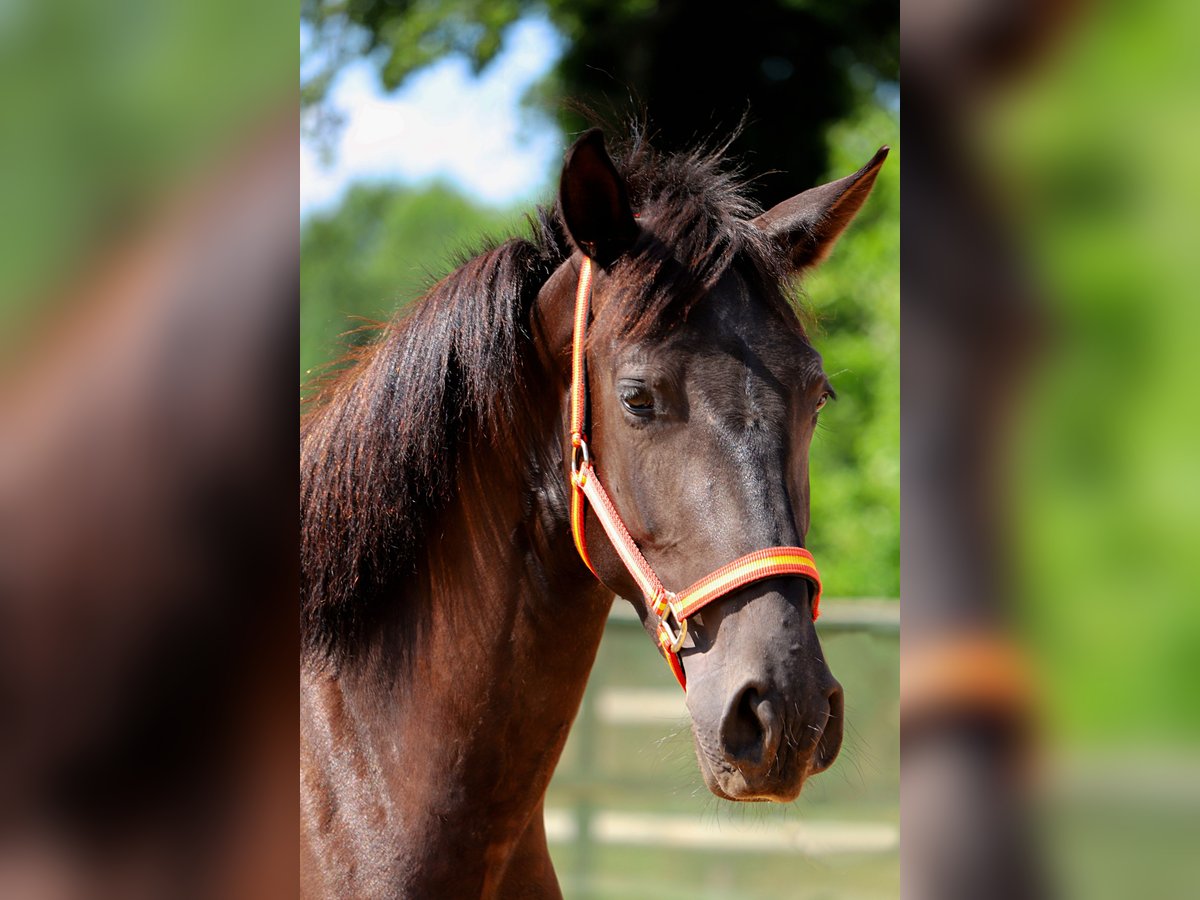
point(1049, 426)
point(148, 291)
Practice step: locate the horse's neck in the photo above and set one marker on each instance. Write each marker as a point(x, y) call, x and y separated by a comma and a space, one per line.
point(449, 758)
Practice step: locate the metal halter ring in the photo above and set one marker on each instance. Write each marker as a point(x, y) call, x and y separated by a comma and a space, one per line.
point(579, 458)
point(673, 608)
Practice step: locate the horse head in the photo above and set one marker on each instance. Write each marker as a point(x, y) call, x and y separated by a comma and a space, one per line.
point(703, 395)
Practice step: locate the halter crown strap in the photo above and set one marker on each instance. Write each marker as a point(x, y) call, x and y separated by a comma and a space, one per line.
point(579, 452)
point(586, 488)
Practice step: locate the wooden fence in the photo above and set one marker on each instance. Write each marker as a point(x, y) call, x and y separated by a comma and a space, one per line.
point(628, 794)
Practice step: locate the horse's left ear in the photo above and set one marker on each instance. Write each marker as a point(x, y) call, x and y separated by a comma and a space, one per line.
point(594, 201)
point(809, 223)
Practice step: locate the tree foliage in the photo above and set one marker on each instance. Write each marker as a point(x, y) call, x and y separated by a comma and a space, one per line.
point(856, 451)
point(374, 254)
point(792, 68)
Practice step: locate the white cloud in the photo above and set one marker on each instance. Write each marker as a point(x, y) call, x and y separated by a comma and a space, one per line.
point(444, 124)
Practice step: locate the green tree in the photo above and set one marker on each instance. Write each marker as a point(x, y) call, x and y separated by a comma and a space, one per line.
point(792, 67)
point(856, 451)
point(375, 253)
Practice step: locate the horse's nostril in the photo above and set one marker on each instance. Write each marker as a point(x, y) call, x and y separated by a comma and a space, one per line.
point(749, 731)
point(830, 741)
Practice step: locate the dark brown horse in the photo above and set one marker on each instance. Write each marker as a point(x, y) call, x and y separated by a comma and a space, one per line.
point(448, 623)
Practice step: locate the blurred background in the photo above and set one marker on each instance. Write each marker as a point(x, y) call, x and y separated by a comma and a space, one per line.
point(1050, 474)
point(428, 127)
point(149, 251)
point(1108, 449)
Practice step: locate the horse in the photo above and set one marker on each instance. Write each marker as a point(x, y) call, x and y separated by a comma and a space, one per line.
point(450, 610)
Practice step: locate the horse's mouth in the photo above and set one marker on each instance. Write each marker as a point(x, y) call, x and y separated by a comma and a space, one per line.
point(730, 782)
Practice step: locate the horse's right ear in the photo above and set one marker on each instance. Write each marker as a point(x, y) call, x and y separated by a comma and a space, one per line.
point(808, 224)
point(594, 202)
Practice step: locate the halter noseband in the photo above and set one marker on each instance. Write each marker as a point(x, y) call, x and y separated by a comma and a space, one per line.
point(586, 488)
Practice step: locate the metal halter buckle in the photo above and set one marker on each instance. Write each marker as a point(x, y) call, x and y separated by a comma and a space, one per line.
point(673, 608)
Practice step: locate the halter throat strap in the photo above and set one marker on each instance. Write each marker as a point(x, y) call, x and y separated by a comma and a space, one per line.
point(586, 490)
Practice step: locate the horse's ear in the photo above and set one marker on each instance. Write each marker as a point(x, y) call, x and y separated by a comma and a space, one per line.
point(594, 202)
point(809, 223)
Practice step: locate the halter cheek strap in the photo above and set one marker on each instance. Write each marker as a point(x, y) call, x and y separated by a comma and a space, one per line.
point(586, 489)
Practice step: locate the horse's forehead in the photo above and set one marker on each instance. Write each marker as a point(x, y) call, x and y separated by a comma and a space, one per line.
point(733, 306)
point(732, 318)
point(733, 315)
point(722, 349)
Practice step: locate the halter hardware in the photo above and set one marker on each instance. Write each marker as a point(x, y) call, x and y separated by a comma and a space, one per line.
point(580, 458)
point(586, 490)
point(668, 605)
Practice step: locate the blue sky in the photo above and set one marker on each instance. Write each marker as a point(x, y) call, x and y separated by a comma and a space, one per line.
point(443, 124)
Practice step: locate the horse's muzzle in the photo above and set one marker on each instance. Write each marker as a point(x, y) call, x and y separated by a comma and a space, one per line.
point(762, 750)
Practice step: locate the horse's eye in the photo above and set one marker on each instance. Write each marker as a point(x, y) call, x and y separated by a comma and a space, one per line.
point(638, 400)
point(821, 403)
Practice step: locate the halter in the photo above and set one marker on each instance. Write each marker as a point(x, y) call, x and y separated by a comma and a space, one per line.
point(586, 488)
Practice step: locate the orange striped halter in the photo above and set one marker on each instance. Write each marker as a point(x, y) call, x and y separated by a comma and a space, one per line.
point(664, 605)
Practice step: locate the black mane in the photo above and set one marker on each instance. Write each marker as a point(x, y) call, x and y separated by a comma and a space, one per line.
point(379, 443)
